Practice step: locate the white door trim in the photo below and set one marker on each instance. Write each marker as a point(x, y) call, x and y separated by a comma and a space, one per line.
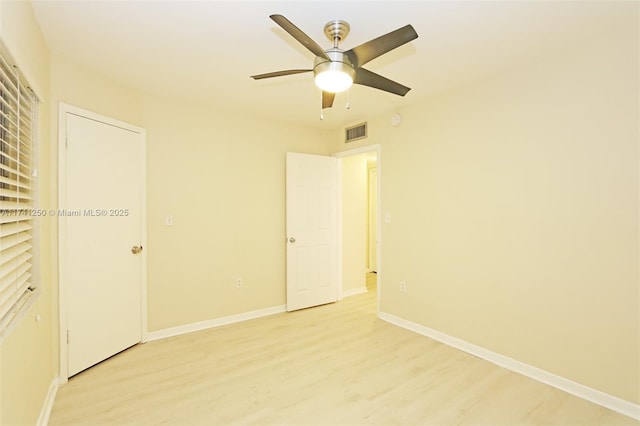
point(340, 155)
point(65, 109)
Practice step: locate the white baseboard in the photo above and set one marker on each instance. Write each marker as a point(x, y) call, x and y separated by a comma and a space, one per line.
point(593, 395)
point(216, 322)
point(354, 291)
point(45, 412)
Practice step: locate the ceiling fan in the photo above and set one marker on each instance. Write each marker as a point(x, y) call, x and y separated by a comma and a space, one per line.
point(334, 69)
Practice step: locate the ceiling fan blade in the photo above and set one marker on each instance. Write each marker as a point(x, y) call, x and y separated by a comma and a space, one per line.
point(297, 33)
point(327, 99)
point(371, 79)
point(362, 54)
point(278, 74)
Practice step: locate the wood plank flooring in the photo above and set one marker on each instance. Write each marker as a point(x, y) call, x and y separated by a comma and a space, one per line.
point(332, 365)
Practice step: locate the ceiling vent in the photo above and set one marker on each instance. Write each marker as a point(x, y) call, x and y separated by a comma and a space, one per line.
point(355, 132)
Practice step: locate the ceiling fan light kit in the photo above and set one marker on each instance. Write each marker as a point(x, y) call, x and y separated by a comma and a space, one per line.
point(334, 75)
point(334, 69)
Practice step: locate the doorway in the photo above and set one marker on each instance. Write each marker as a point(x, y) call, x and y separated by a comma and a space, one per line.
point(359, 227)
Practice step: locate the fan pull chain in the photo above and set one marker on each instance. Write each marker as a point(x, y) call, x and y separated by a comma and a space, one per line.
point(348, 99)
point(321, 114)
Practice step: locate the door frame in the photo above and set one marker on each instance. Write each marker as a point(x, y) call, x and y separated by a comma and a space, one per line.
point(65, 109)
point(377, 148)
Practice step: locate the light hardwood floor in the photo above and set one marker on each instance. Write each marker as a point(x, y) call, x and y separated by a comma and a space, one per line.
point(331, 365)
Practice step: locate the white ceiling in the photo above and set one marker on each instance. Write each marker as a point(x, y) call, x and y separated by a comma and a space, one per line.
point(205, 51)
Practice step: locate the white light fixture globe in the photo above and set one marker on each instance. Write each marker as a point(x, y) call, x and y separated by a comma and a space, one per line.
point(333, 81)
point(336, 75)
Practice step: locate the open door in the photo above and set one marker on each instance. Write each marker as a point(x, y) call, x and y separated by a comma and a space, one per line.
point(311, 226)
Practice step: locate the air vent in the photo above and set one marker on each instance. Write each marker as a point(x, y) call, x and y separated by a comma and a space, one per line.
point(355, 132)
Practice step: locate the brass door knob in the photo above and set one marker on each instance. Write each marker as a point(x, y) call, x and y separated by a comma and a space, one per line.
point(136, 249)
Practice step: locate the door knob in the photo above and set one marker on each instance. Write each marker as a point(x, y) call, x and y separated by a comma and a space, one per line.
point(136, 249)
point(292, 240)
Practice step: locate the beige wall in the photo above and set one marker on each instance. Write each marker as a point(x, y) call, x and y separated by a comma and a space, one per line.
point(83, 88)
point(28, 355)
point(514, 206)
point(372, 214)
point(222, 179)
point(354, 222)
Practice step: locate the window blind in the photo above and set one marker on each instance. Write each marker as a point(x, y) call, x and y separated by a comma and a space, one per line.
point(18, 117)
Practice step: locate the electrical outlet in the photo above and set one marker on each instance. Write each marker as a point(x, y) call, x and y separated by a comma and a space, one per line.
point(403, 286)
point(239, 282)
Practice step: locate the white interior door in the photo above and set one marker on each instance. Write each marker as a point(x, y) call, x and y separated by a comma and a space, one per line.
point(312, 261)
point(103, 220)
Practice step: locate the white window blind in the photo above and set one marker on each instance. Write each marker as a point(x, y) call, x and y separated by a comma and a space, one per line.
point(18, 120)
